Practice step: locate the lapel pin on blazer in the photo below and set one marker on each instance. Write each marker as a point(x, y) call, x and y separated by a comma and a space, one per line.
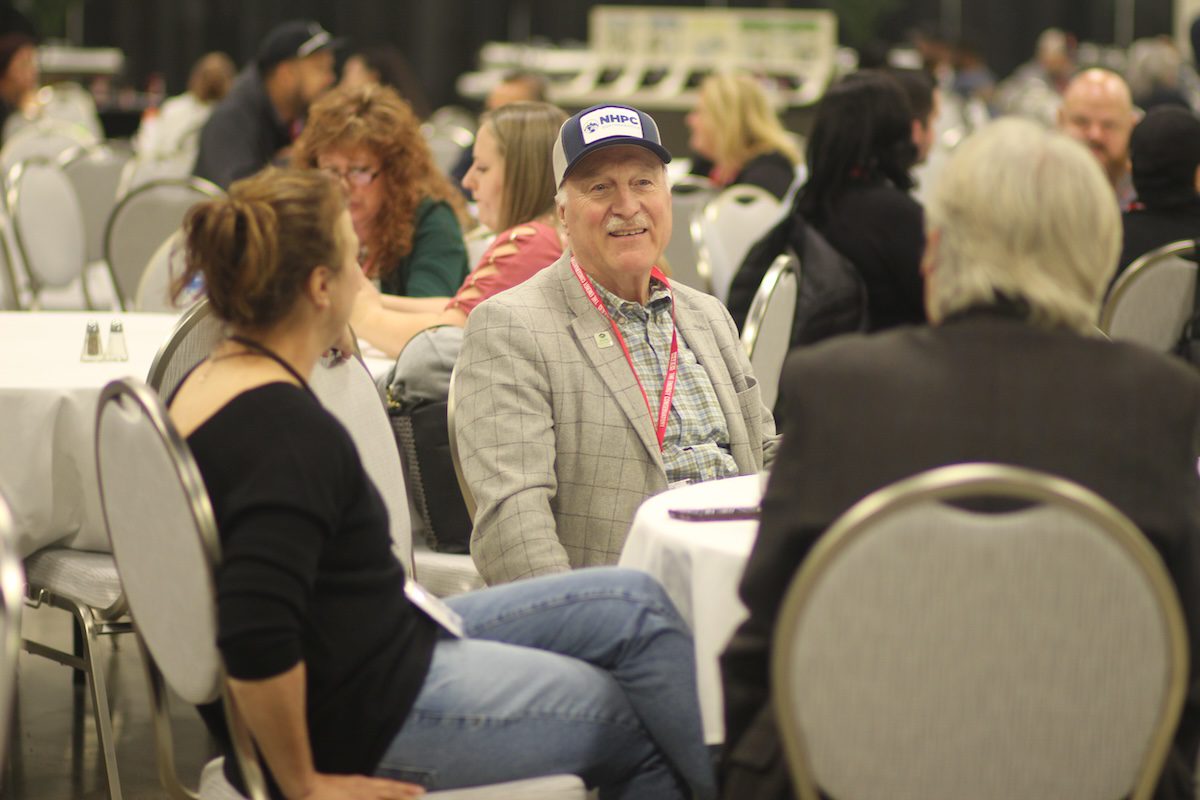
point(604, 339)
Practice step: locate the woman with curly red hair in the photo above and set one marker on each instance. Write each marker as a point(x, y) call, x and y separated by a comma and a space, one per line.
point(407, 215)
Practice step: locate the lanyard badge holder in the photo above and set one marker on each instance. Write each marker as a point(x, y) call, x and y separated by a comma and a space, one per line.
point(668, 390)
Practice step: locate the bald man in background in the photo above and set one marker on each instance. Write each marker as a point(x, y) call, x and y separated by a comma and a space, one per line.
point(1097, 110)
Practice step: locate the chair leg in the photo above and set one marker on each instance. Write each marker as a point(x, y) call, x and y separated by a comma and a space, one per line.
point(99, 687)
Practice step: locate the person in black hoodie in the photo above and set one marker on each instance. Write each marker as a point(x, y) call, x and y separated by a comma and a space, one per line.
point(1165, 150)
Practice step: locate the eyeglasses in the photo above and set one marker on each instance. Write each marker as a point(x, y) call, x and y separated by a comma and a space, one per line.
point(358, 177)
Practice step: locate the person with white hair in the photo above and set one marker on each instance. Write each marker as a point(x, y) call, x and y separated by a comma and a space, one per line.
point(1022, 238)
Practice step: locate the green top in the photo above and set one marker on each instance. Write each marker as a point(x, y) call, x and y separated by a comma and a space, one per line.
point(437, 264)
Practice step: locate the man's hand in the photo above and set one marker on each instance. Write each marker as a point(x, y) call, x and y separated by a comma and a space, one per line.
point(359, 787)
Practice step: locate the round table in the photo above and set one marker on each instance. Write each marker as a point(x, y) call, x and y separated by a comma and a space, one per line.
point(700, 565)
point(47, 419)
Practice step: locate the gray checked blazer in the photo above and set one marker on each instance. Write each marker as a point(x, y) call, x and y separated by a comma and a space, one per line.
point(556, 442)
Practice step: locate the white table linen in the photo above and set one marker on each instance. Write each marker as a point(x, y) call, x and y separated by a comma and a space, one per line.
point(700, 565)
point(47, 419)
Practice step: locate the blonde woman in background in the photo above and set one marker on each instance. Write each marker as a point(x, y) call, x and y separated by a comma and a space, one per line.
point(734, 127)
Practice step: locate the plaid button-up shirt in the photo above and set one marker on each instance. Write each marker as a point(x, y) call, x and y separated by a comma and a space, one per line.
point(696, 442)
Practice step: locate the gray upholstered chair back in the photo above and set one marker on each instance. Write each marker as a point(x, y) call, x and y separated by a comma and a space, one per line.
point(726, 230)
point(95, 172)
point(928, 651)
point(48, 224)
point(164, 540)
point(12, 594)
point(767, 334)
point(689, 195)
point(347, 389)
point(46, 138)
point(141, 220)
point(154, 287)
point(1153, 298)
point(194, 337)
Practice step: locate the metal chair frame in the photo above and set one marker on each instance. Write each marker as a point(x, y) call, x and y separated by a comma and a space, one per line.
point(705, 264)
point(785, 264)
point(12, 590)
point(13, 199)
point(154, 413)
point(203, 189)
point(958, 482)
point(1135, 272)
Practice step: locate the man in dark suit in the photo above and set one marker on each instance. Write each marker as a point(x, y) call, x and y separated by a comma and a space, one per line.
point(1010, 371)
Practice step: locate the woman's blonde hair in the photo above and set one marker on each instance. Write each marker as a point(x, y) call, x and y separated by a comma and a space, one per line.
point(376, 118)
point(525, 134)
point(741, 119)
point(1023, 213)
point(257, 246)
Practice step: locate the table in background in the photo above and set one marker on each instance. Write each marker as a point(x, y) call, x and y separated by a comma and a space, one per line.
point(700, 565)
point(47, 419)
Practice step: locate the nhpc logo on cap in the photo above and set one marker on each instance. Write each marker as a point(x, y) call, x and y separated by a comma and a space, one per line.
point(603, 126)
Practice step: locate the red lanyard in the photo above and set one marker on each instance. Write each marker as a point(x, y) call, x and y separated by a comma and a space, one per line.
point(668, 390)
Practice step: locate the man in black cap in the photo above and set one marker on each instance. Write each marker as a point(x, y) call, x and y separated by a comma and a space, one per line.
point(1165, 150)
point(256, 121)
point(597, 382)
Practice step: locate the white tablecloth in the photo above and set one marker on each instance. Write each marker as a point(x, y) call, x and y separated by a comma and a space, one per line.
point(47, 419)
point(700, 565)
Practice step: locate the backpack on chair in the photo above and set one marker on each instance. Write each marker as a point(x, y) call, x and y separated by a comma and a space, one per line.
point(831, 297)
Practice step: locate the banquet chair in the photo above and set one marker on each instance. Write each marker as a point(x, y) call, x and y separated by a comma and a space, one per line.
point(195, 335)
point(348, 391)
point(95, 172)
point(12, 586)
point(689, 195)
point(43, 138)
point(175, 166)
point(140, 221)
point(443, 574)
point(931, 646)
point(165, 541)
point(69, 102)
point(767, 334)
point(154, 287)
point(86, 585)
point(727, 228)
point(48, 228)
point(1153, 298)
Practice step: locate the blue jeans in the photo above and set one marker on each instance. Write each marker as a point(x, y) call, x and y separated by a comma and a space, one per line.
point(590, 672)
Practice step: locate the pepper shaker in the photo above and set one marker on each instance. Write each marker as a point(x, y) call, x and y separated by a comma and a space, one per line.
point(91, 343)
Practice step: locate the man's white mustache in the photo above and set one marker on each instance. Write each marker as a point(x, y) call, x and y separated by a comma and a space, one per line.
point(616, 224)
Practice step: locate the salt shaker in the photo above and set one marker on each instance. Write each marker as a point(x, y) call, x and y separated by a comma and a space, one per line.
point(116, 350)
point(91, 343)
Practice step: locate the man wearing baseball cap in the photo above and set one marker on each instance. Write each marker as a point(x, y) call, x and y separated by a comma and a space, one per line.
point(598, 382)
point(257, 120)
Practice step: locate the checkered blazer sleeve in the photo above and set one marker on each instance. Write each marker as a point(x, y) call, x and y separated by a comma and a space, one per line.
point(506, 442)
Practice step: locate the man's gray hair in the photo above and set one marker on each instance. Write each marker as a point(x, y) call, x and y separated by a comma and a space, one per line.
point(1024, 212)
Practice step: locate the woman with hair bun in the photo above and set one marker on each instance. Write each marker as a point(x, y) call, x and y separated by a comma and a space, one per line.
point(512, 180)
point(351, 680)
point(408, 216)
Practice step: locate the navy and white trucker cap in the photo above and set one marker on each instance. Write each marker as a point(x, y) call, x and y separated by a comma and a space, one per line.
point(603, 126)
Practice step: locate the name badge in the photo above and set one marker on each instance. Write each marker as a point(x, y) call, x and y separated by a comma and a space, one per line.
point(435, 609)
point(604, 339)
